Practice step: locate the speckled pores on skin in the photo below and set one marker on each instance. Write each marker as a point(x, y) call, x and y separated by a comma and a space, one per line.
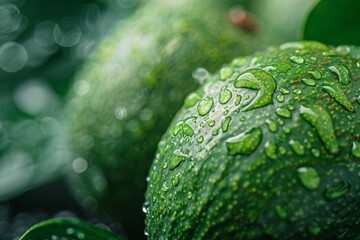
point(286, 166)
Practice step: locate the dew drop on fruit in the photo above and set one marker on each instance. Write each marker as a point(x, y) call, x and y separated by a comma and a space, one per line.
point(244, 143)
point(338, 95)
point(225, 96)
point(283, 112)
point(315, 152)
point(309, 82)
point(205, 106)
point(314, 228)
point(319, 118)
point(316, 74)
point(297, 91)
point(356, 149)
point(262, 82)
point(309, 177)
point(281, 212)
point(176, 158)
point(297, 147)
point(336, 191)
point(225, 72)
point(342, 72)
point(175, 180)
point(284, 91)
point(297, 59)
point(270, 150)
point(271, 125)
point(280, 98)
point(192, 99)
point(225, 124)
point(343, 49)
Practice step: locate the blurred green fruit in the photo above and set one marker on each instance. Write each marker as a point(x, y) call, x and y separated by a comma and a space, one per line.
point(271, 151)
point(125, 97)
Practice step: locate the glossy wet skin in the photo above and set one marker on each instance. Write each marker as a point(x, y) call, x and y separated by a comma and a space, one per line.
point(268, 148)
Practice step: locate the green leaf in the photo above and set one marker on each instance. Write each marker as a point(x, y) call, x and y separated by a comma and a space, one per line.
point(334, 22)
point(66, 229)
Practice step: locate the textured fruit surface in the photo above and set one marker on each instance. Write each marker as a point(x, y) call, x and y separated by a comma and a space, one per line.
point(126, 97)
point(269, 149)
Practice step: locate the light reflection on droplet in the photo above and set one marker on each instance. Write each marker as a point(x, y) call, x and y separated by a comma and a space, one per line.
point(79, 165)
point(35, 97)
point(13, 57)
point(10, 18)
point(67, 33)
point(43, 34)
point(120, 113)
point(81, 87)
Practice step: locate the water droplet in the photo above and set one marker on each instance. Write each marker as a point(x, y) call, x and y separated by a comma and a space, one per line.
point(225, 96)
point(145, 207)
point(282, 150)
point(316, 74)
point(226, 112)
point(280, 98)
point(187, 130)
point(297, 91)
point(337, 190)
point(297, 59)
point(215, 132)
point(297, 147)
point(315, 152)
point(200, 75)
point(284, 91)
point(192, 99)
point(79, 165)
point(319, 118)
point(260, 80)
point(270, 150)
point(338, 95)
point(225, 124)
point(67, 33)
point(10, 18)
point(238, 100)
point(175, 180)
point(205, 106)
point(211, 123)
point(70, 231)
point(271, 125)
point(309, 177)
point(343, 49)
point(314, 228)
point(200, 139)
point(281, 212)
point(356, 149)
point(225, 72)
point(309, 82)
point(176, 158)
point(13, 57)
point(81, 87)
point(281, 122)
point(286, 130)
point(342, 72)
point(291, 107)
point(189, 195)
point(244, 143)
point(283, 112)
point(164, 187)
point(120, 113)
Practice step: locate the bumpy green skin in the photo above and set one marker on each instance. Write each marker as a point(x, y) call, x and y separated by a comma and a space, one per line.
point(127, 96)
point(292, 173)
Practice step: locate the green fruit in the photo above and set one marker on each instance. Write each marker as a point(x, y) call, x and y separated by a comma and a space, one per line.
point(279, 159)
point(127, 95)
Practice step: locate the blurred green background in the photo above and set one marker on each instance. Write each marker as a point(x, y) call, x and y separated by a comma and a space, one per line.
point(42, 45)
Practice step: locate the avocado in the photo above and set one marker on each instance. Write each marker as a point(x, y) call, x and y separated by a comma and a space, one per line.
point(268, 149)
point(126, 96)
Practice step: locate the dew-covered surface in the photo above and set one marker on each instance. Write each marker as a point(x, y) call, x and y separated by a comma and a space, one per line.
point(286, 166)
point(125, 98)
